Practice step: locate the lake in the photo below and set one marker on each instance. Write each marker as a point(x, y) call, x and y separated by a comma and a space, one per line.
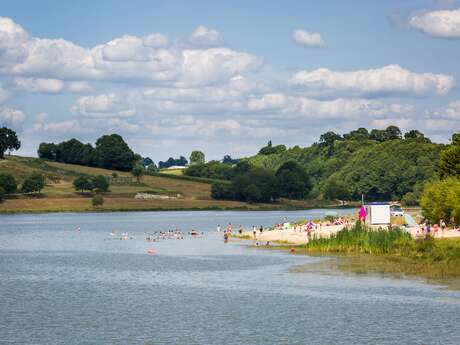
point(63, 286)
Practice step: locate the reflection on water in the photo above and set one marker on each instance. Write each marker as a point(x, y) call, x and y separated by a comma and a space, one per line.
point(62, 286)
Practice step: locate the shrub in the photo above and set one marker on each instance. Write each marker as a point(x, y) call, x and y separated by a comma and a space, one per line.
point(8, 183)
point(97, 200)
point(2, 194)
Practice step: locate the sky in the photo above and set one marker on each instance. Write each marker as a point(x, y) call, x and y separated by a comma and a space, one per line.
point(224, 77)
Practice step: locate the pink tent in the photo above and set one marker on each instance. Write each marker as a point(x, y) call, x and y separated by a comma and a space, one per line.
point(362, 214)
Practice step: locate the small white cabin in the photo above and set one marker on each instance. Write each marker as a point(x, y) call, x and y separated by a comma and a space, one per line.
point(378, 213)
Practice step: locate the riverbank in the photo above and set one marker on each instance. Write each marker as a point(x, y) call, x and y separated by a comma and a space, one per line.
point(359, 249)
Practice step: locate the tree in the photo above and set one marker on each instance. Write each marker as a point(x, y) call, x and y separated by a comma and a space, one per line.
point(328, 139)
point(113, 153)
point(416, 135)
point(97, 200)
point(2, 194)
point(101, 182)
point(8, 141)
point(83, 183)
point(8, 183)
point(449, 162)
point(197, 157)
point(147, 161)
point(392, 133)
point(229, 160)
point(34, 183)
point(333, 189)
point(378, 135)
point(292, 181)
point(138, 171)
point(47, 151)
point(441, 200)
point(359, 134)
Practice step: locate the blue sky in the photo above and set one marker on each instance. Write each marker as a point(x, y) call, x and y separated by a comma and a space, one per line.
point(226, 76)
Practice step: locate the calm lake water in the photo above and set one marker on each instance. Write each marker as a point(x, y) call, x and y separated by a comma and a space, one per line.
point(62, 286)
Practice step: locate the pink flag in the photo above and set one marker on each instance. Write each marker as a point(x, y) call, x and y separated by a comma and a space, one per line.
point(362, 214)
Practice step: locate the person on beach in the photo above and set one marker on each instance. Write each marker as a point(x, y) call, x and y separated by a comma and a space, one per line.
point(240, 229)
point(218, 228)
point(261, 229)
point(254, 231)
point(229, 228)
point(225, 237)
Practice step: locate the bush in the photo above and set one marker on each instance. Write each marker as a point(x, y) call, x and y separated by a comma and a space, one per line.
point(221, 191)
point(97, 200)
point(8, 183)
point(441, 200)
point(2, 194)
point(34, 183)
point(101, 182)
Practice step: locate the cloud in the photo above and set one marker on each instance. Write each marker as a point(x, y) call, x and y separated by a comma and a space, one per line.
point(102, 106)
point(443, 23)
point(308, 39)
point(47, 85)
point(127, 58)
point(206, 36)
point(11, 117)
point(3, 94)
point(391, 80)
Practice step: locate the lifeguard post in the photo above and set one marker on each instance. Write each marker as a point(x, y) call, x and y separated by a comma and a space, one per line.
point(378, 213)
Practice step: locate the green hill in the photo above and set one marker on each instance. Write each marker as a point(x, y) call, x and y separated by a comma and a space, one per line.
point(182, 192)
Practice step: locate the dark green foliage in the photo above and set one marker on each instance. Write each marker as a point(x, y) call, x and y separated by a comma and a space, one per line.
point(97, 200)
point(101, 182)
point(212, 169)
point(2, 194)
point(8, 183)
point(197, 157)
point(359, 134)
point(229, 160)
point(34, 183)
point(151, 169)
point(83, 183)
point(333, 189)
point(221, 190)
point(379, 167)
point(113, 153)
point(410, 199)
point(292, 181)
point(449, 164)
point(416, 135)
point(147, 161)
point(181, 161)
point(47, 151)
point(270, 149)
point(8, 141)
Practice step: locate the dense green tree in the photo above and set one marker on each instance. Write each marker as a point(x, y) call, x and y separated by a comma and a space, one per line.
point(8, 183)
point(270, 149)
point(197, 157)
point(101, 182)
point(392, 133)
point(229, 160)
point(415, 135)
point(47, 151)
point(151, 169)
point(265, 181)
point(334, 189)
point(83, 183)
point(8, 141)
point(328, 139)
point(34, 183)
point(441, 200)
point(138, 171)
point(378, 135)
point(358, 134)
point(147, 161)
point(113, 153)
point(221, 190)
point(293, 181)
point(449, 163)
point(181, 161)
point(2, 194)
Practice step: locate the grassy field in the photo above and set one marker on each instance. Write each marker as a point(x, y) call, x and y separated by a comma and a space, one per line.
point(59, 193)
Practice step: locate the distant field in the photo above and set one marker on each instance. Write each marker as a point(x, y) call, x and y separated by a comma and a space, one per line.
point(172, 171)
point(59, 194)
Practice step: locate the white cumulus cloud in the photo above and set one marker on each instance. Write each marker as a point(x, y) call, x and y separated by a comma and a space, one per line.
point(102, 106)
point(442, 23)
point(309, 39)
point(391, 80)
point(11, 117)
point(206, 36)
